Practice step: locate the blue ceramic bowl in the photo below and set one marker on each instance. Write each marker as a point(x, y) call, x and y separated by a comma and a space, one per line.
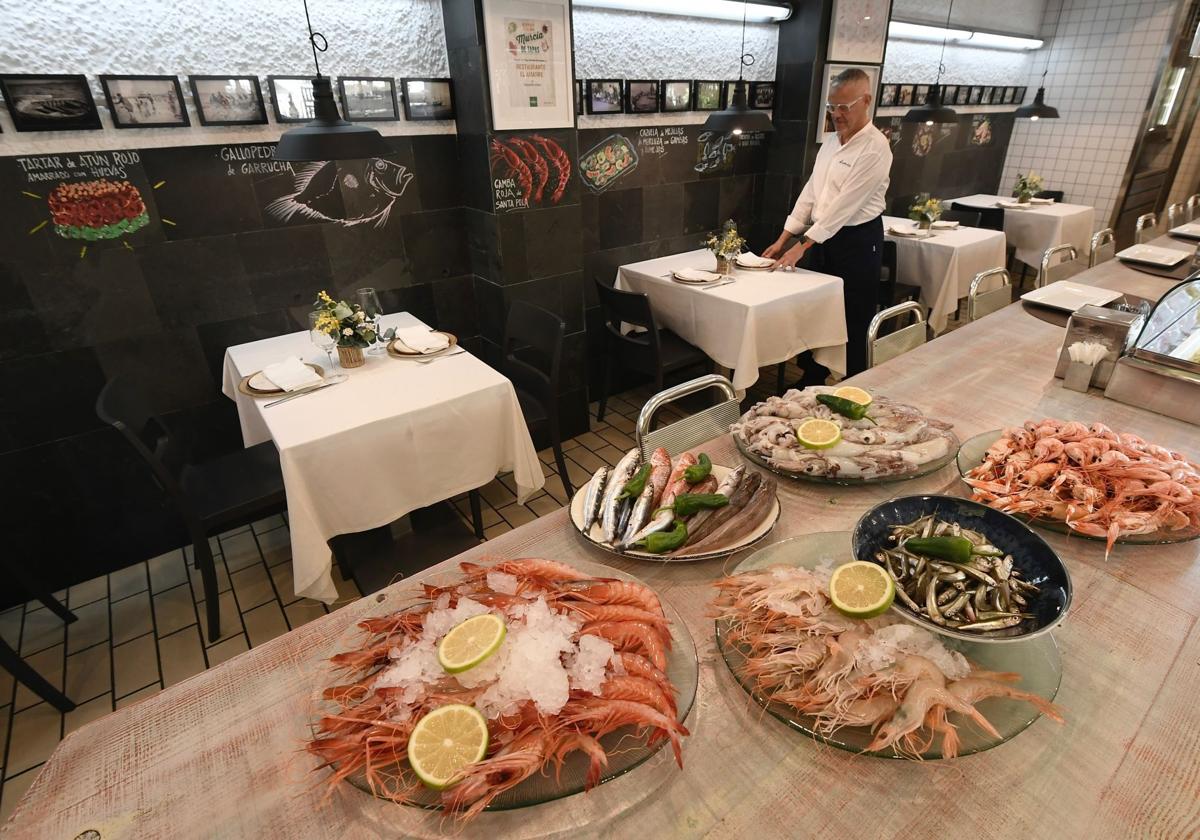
point(1031, 554)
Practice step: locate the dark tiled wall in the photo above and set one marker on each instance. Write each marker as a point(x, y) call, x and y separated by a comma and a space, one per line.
point(212, 269)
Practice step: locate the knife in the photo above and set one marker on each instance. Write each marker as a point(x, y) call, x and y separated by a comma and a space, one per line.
point(306, 391)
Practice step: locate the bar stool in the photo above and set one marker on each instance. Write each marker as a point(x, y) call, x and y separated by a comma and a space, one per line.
point(1143, 228)
point(883, 348)
point(1193, 207)
point(1052, 271)
point(1176, 215)
point(985, 303)
point(1103, 247)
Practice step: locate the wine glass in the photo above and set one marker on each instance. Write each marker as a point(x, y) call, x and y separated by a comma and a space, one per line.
point(320, 338)
point(369, 301)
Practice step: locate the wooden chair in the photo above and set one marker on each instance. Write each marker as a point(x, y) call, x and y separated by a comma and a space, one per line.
point(1058, 263)
point(980, 303)
point(882, 348)
point(1145, 227)
point(213, 497)
point(1103, 246)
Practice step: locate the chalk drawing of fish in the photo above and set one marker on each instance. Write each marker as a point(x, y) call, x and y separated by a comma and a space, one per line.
point(323, 193)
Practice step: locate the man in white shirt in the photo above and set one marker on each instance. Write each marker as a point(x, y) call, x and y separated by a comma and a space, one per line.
point(839, 213)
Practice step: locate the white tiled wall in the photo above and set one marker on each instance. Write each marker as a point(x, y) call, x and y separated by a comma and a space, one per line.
point(1102, 69)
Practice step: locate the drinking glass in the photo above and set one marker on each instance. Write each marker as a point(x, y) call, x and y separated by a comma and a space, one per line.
point(320, 338)
point(369, 301)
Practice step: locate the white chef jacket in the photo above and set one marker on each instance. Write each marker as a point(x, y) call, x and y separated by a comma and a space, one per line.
point(847, 186)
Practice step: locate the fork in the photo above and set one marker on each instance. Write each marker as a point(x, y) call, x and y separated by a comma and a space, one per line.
point(442, 356)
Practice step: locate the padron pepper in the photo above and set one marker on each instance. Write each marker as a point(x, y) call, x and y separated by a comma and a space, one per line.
point(661, 542)
point(954, 549)
point(844, 407)
point(699, 471)
point(634, 487)
point(688, 503)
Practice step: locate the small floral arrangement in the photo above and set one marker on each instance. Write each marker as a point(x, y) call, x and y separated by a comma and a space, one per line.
point(926, 209)
point(727, 244)
point(345, 321)
point(1028, 185)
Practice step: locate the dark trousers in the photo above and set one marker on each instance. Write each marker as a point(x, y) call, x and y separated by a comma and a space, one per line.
point(855, 254)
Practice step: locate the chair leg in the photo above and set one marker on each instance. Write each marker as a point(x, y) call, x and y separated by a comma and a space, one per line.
point(208, 578)
point(562, 469)
point(605, 384)
point(36, 589)
point(19, 668)
point(476, 514)
point(780, 375)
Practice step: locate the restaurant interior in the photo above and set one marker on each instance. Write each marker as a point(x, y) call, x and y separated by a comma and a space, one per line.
point(419, 414)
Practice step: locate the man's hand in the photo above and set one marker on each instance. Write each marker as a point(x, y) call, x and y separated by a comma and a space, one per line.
point(775, 250)
point(792, 256)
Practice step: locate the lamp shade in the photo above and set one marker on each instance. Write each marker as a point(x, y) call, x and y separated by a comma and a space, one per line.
point(328, 136)
point(1038, 109)
point(933, 112)
point(738, 117)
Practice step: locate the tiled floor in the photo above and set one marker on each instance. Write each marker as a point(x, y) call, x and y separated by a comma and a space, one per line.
point(142, 629)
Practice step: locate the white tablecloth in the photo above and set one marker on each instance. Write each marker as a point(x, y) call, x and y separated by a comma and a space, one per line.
point(396, 436)
point(761, 319)
point(944, 263)
point(1039, 227)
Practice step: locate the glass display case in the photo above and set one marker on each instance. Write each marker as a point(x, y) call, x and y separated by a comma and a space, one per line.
point(1171, 334)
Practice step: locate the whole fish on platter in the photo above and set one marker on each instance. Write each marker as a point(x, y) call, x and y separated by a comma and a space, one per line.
point(595, 495)
point(652, 494)
point(676, 484)
point(612, 506)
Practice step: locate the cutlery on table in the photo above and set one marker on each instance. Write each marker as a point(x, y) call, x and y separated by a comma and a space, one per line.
point(433, 359)
point(329, 382)
point(715, 285)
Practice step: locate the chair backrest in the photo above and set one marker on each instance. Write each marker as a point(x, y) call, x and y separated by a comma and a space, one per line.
point(1143, 228)
point(125, 408)
point(633, 309)
point(969, 218)
point(1058, 263)
point(991, 218)
point(1103, 247)
point(1176, 215)
point(980, 303)
point(887, 276)
point(1193, 206)
point(684, 434)
point(882, 348)
point(531, 356)
point(1057, 195)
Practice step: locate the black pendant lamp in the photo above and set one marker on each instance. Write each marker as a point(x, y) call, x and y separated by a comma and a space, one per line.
point(932, 111)
point(738, 116)
point(1038, 109)
point(327, 136)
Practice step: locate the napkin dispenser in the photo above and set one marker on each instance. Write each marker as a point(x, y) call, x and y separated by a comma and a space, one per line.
point(1110, 327)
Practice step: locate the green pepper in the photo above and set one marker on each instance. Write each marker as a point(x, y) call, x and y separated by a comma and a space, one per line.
point(699, 471)
point(634, 487)
point(954, 549)
point(844, 407)
point(661, 542)
point(688, 503)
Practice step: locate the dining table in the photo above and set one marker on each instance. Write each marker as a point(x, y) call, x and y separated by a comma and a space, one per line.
point(942, 262)
point(397, 435)
point(220, 754)
point(1032, 229)
point(761, 318)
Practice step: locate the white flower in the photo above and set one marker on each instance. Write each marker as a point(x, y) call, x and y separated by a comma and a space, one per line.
point(362, 316)
point(347, 331)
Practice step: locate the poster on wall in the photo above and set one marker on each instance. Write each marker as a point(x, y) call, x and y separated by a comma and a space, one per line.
point(831, 70)
point(859, 30)
point(530, 171)
point(529, 63)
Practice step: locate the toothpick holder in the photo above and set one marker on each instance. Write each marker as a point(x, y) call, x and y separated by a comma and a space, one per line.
point(1078, 376)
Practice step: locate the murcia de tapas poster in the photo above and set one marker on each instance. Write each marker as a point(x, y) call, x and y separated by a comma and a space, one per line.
point(529, 63)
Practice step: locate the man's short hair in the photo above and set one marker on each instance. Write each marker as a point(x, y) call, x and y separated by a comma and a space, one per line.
point(849, 76)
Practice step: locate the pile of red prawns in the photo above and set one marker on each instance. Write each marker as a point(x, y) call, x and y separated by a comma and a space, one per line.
point(364, 736)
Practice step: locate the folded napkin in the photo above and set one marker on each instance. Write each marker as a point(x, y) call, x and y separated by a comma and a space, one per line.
point(752, 260)
point(695, 275)
point(940, 225)
point(904, 231)
point(422, 339)
point(291, 374)
point(1041, 201)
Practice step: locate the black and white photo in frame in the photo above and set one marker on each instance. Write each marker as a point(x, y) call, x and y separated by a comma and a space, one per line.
point(368, 99)
point(292, 98)
point(145, 101)
point(49, 102)
point(428, 99)
point(228, 100)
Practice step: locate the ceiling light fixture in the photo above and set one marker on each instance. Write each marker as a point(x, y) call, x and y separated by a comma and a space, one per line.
point(932, 111)
point(769, 12)
point(1038, 109)
point(737, 117)
point(905, 31)
point(327, 136)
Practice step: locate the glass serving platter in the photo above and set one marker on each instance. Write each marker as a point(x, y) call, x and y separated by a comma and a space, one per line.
point(1037, 661)
point(970, 455)
point(626, 748)
point(922, 470)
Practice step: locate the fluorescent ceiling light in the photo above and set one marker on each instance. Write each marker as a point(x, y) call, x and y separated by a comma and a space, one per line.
point(921, 32)
point(722, 9)
point(1194, 52)
point(1002, 42)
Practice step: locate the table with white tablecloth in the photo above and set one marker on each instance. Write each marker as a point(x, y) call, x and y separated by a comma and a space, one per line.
point(397, 435)
point(762, 318)
point(943, 263)
point(1033, 228)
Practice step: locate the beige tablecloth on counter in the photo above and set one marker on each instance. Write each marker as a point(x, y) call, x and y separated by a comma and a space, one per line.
point(396, 436)
point(1041, 226)
point(944, 263)
point(761, 319)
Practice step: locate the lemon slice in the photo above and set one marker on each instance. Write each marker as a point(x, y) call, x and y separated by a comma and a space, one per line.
point(849, 392)
point(471, 642)
point(861, 590)
point(814, 433)
point(444, 742)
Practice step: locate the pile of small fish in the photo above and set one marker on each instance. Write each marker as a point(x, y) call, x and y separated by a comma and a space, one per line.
point(954, 577)
point(675, 509)
point(895, 439)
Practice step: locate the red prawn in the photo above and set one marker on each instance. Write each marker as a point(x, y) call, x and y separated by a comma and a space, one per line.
point(536, 163)
point(517, 166)
point(562, 163)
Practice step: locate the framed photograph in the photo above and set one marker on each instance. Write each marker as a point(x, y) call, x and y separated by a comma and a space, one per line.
point(727, 93)
point(949, 92)
point(706, 95)
point(858, 30)
point(1010, 95)
point(1019, 96)
point(962, 95)
point(228, 100)
point(368, 99)
point(579, 96)
point(605, 96)
point(887, 95)
point(988, 93)
point(292, 98)
point(49, 102)
point(904, 95)
point(529, 63)
point(145, 101)
point(676, 95)
point(976, 94)
point(641, 97)
point(920, 94)
point(832, 70)
point(428, 99)
point(762, 95)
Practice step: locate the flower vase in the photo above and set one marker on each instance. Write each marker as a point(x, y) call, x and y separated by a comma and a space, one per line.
point(924, 224)
point(351, 356)
point(724, 265)
point(1023, 198)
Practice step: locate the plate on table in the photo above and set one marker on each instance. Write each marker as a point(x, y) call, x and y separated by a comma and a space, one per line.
point(753, 262)
point(1153, 255)
point(1189, 231)
point(1037, 661)
point(913, 232)
point(695, 276)
point(595, 536)
point(257, 384)
point(401, 351)
point(1070, 296)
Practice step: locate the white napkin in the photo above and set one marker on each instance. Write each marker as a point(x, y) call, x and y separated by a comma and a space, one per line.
point(291, 374)
point(752, 260)
point(940, 225)
point(904, 231)
point(695, 275)
point(422, 339)
point(1041, 201)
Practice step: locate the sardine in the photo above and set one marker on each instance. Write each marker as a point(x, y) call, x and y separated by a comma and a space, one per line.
point(610, 508)
point(676, 484)
point(637, 518)
point(593, 497)
point(725, 488)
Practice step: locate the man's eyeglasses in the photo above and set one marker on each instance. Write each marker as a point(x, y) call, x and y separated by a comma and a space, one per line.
point(843, 107)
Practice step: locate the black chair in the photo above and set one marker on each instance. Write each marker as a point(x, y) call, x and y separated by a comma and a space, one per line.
point(648, 350)
point(21, 578)
point(991, 218)
point(967, 218)
point(212, 497)
point(1057, 195)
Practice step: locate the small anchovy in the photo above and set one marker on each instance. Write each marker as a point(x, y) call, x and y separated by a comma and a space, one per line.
point(641, 513)
point(593, 497)
point(610, 508)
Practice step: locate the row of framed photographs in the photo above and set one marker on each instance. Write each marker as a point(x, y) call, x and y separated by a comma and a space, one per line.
point(904, 95)
point(650, 96)
point(64, 102)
